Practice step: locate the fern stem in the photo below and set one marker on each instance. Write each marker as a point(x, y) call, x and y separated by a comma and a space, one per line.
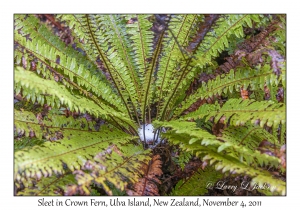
point(142, 45)
point(105, 64)
point(179, 46)
point(154, 60)
point(130, 67)
point(149, 113)
point(145, 180)
point(165, 73)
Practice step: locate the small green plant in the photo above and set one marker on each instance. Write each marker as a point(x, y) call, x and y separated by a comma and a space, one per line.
point(211, 86)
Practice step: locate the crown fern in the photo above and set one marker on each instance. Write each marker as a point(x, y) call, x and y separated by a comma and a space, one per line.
point(96, 96)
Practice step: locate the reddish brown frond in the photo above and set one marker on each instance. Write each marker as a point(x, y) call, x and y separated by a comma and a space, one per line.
point(147, 185)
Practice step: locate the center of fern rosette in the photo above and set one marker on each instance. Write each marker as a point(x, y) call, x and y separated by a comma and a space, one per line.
point(152, 137)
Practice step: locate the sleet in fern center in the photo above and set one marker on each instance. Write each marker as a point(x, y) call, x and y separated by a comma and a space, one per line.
point(152, 136)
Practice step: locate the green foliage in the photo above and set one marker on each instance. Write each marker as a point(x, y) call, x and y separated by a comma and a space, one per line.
point(226, 155)
point(244, 77)
point(182, 28)
point(239, 111)
point(212, 44)
point(76, 128)
point(26, 142)
point(182, 159)
point(41, 90)
point(249, 136)
point(70, 152)
point(49, 186)
point(201, 178)
point(112, 165)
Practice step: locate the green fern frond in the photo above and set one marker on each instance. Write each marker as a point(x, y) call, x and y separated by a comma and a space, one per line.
point(25, 122)
point(118, 166)
point(48, 51)
point(123, 46)
point(49, 186)
point(239, 111)
point(75, 151)
point(216, 41)
point(249, 136)
point(182, 159)
point(197, 139)
point(29, 25)
point(141, 45)
point(99, 46)
point(213, 44)
point(282, 133)
point(60, 121)
point(259, 176)
point(41, 90)
point(121, 66)
point(141, 36)
point(180, 26)
point(55, 157)
point(198, 183)
point(21, 143)
point(72, 151)
point(255, 79)
point(227, 155)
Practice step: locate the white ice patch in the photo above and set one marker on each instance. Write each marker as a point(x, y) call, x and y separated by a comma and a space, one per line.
point(149, 134)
